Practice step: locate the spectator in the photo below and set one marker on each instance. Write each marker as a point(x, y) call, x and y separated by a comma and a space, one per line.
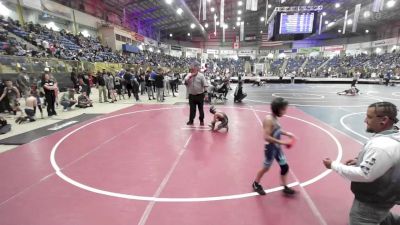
point(135, 87)
point(13, 96)
point(36, 94)
point(101, 86)
point(23, 83)
point(50, 88)
point(375, 174)
point(74, 79)
point(83, 86)
point(159, 83)
point(68, 99)
point(128, 77)
point(118, 87)
point(142, 82)
point(149, 86)
point(84, 101)
point(110, 87)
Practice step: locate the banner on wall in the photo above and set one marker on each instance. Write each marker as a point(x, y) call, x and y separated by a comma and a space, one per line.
point(193, 50)
point(294, 50)
point(35, 4)
point(251, 37)
point(384, 42)
point(130, 48)
point(356, 46)
point(309, 50)
point(227, 52)
point(333, 48)
point(366, 45)
point(264, 52)
point(56, 9)
point(176, 48)
point(137, 37)
point(151, 42)
point(212, 51)
point(163, 45)
point(247, 52)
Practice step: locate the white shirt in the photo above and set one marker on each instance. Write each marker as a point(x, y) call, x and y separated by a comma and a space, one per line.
point(381, 154)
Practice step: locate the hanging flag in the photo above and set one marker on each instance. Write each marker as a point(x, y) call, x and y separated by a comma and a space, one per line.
point(345, 22)
point(222, 14)
point(242, 31)
point(252, 5)
point(215, 25)
point(356, 16)
point(320, 24)
point(266, 12)
point(223, 33)
point(248, 4)
point(199, 9)
point(377, 5)
point(204, 9)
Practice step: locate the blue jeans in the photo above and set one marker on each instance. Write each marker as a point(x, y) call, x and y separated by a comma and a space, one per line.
point(67, 104)
point(368, 214)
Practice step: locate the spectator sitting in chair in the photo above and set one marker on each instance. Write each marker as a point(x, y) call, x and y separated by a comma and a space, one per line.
point(84, 101)
point(68, 99)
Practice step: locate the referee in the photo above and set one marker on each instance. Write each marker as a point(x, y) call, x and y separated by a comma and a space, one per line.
point(196, 85)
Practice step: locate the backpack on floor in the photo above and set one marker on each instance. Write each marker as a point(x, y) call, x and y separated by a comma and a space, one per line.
point(4, 126)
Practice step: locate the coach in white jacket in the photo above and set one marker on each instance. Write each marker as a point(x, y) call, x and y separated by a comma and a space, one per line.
point(375, 174)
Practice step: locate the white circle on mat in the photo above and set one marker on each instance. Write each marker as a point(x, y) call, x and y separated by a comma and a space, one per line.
point(59, 172)
point(305, 96)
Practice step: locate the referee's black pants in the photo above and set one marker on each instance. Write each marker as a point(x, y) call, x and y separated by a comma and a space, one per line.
point(196, 100)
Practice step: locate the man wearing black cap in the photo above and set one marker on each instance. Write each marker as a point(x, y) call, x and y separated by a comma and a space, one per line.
point(196, 85)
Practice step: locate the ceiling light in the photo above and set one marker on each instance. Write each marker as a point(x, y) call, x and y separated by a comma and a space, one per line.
point(240, 3)
point(212, 9)
point(169, 2)
point(262, 19)
point(179, 11)
point(367, 14)
point(206, 25)
point(367, 31)
point(269, 6)
point(307, 1)
point(261, 32)
point(390, 3)
point(225, 26)
point(326, 22)
point(170, 35)
point(215, 16)
point(331, 24)
point(192, 25)
point(217, 23)
point(339, 31)
point(237, 23)
point(337, 5)
point(349, 22)
point(239, 12)
point(188, 34)
point(239, 18)
point(324, 13)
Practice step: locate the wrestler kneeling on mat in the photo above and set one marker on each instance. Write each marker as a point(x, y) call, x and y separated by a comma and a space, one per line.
point(218, 117)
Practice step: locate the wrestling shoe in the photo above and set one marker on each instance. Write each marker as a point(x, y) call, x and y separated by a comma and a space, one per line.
point(258, 188)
